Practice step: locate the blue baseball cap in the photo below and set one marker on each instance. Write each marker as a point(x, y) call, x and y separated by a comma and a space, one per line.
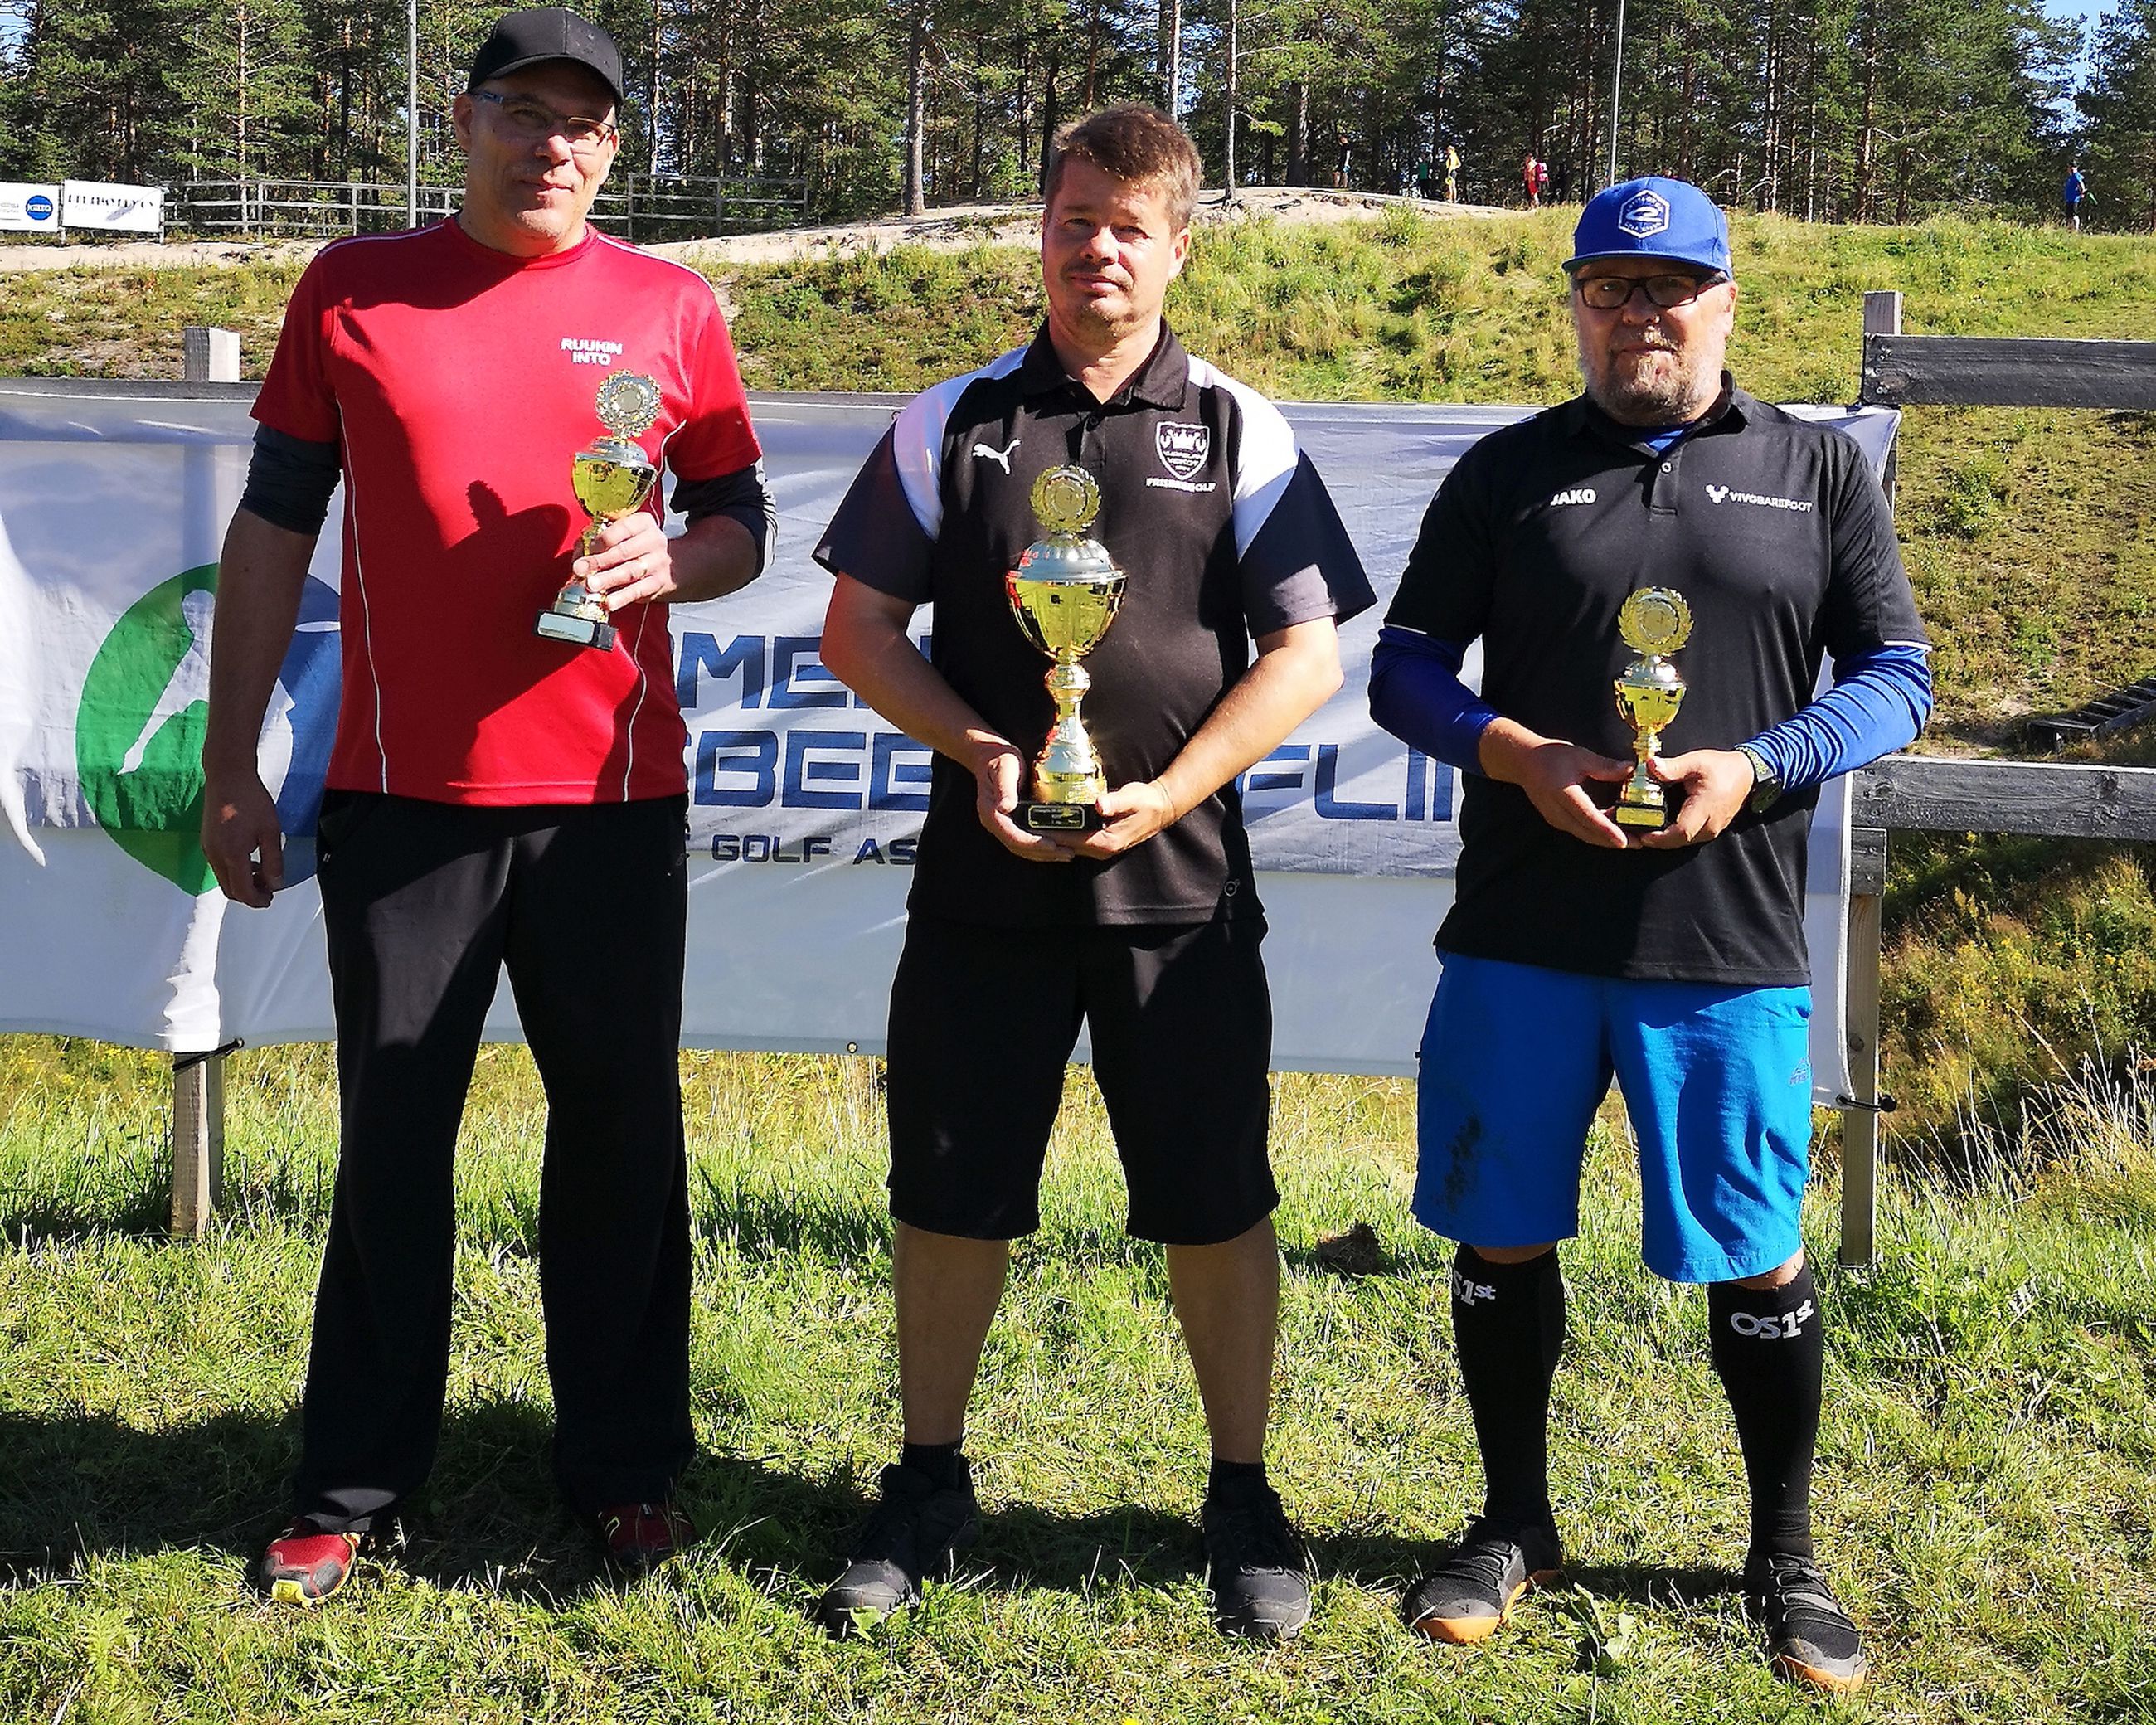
point(1652, 218)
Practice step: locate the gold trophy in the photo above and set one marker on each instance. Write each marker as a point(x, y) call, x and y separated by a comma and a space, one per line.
point(612, 478)
point(1064, 592)
point(1654, 621)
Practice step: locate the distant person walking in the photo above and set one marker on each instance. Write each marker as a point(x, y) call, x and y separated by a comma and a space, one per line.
point(1451, 174)
point(2076, 194)
point(1531, 171)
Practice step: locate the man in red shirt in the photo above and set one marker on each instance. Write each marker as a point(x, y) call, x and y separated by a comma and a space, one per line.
point(493, 797)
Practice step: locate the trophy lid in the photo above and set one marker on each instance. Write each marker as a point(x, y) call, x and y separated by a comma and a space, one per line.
point(1655, 619)
point(629, 404)
point(1067, 498)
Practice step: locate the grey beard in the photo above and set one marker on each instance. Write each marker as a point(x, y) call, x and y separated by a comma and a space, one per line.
point(1656, 400)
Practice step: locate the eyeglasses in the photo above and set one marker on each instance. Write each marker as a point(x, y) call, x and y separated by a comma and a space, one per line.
point(523, 118)
point(1613, 293)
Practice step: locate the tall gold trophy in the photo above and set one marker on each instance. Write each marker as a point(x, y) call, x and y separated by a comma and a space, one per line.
point(1064, 592)
point(1654, 621)
point(612, 478)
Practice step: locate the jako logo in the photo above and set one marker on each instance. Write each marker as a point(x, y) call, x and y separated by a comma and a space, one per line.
point(1787, 1327)
point(138, 734)
point(1584, 494)
point(1471, 1293)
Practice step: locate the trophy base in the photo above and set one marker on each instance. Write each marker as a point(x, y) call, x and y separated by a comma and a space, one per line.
point(1057, 817)
point(1646, 818)
point(578, 631)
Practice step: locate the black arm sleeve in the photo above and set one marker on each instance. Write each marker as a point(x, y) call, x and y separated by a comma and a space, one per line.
point(289, 480)
point(744, 495)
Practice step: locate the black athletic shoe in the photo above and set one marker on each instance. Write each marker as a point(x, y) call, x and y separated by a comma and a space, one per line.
point(1254, 1565)
point(1469, 1596)
point(909, 1536)
point(1809, 1637)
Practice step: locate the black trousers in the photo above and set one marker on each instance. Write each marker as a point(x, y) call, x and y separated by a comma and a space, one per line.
point(423, 903)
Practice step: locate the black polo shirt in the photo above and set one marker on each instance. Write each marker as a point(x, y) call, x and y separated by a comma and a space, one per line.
point(1777, 536)
point(1226, 532)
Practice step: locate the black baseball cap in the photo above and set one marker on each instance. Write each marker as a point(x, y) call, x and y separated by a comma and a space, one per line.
point(535, 33)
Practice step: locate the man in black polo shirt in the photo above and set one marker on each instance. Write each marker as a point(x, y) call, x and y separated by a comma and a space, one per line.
point(1675, 958)
point(1148, 928)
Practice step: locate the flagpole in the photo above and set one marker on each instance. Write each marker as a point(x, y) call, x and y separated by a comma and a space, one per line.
point(412, 113)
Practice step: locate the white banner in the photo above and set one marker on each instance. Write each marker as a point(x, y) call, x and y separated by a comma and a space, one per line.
point(804, 805)
point(115, 209)
point(29, 209)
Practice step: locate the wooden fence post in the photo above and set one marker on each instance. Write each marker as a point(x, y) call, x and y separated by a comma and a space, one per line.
point(197, 1140)
point(209, 355)
point(1867, 890)
point(1860, 1118)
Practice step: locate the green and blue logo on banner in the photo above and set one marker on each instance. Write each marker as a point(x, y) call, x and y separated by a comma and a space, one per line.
point(144, 711)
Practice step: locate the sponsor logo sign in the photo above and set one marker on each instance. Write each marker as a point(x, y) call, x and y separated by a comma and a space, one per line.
point(29, 209)
point(145, 709)
point(114, 208)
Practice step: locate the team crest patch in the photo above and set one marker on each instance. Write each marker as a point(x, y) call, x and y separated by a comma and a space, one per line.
point(1645, 215)
point(1183, 448)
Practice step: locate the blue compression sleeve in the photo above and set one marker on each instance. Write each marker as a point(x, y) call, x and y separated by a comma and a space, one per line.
point(1879, 702)
point(1416, 694)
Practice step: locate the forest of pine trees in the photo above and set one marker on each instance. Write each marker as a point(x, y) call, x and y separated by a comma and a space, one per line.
point(1832, 109)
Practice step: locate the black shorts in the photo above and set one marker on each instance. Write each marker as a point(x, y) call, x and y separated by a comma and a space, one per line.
point(983, 1021)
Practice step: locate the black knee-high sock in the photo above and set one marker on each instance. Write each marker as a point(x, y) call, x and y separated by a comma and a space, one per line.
point(1769, 1348)
point(1508, 1323)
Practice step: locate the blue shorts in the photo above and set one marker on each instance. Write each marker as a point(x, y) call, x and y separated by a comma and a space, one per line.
point(1717, 1081)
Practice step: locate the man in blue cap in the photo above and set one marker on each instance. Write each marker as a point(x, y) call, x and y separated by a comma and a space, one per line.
point(1672, 956)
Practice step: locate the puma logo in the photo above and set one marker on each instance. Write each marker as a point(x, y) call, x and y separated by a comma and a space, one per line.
point(1000, 457)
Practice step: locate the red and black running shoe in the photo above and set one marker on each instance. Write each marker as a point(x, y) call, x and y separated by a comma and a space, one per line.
point(638, 1536)
point(304, 1566)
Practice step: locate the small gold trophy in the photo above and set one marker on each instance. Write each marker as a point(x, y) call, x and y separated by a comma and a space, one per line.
point(1654, 621)
point(612, 478)
point(1064, 593)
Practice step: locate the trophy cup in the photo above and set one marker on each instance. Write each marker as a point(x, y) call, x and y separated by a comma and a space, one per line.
point(612, 478)
point(1654, 621)
point(1064, 593)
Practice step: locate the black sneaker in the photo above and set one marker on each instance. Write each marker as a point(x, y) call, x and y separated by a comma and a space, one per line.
point(1254, 1565)
point(1809, 1637)
point(1469, 1596)
point(909, 1536)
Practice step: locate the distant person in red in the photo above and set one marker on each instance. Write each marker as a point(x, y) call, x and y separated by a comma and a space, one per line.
point(1531, 175)
point(493, 798)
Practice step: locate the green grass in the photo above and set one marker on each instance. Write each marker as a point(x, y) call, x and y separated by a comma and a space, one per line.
point(1983, 1491)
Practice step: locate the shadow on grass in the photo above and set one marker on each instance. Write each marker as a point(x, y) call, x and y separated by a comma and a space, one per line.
point(1394, 1564)
point(774, 1525)
point(30, 1221)
point(80, 1486)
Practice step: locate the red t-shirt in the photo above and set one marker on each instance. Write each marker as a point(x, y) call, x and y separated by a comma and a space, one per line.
point(459, 382)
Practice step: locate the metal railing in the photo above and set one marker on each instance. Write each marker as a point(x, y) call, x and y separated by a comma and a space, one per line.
point(645, 206)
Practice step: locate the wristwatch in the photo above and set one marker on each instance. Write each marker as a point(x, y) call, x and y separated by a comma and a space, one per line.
point(1766, 782)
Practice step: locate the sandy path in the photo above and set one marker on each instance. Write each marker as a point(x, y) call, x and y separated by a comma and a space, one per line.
point(945, 229)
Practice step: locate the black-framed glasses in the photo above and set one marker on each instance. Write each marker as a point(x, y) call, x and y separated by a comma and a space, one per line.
point(1613, 293)
point(534, 120)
